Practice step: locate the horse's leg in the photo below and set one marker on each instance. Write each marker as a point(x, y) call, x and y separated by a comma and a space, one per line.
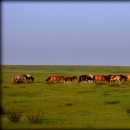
point(58, 81)
point(65, 82)
point(72, 81)
point(51, 81)
point(26, 81)
point(69, 82)
point(13, 80)
point(119, 81)
point(86, 81)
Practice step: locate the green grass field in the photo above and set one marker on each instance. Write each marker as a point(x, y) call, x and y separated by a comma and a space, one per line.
point(85, 105)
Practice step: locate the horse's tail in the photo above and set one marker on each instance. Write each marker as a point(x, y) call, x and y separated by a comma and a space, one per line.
point(13, 79)
point(48, 78)
point(80, 79)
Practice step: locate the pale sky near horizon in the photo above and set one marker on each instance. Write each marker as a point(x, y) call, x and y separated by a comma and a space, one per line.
point(66, 33)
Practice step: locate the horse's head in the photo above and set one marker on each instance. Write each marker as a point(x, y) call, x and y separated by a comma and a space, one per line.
point(75, 77)
point(32, 79)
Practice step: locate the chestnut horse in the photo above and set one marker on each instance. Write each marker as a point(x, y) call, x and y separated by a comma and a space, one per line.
point(54, 78)
point(70, 79)
point(102, 78)
point(29, 77)
point(19, 78)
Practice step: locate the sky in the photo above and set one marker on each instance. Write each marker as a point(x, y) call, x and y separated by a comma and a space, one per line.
point(66, 33)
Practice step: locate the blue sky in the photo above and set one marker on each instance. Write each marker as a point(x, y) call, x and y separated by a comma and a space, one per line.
point(66, 33)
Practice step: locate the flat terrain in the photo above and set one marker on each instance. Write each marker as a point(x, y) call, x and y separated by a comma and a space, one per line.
point(85, 105)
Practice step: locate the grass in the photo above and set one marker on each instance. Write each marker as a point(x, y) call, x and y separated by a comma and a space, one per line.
point(100, 105)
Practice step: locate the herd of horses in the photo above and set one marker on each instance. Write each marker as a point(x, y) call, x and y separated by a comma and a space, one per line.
point(90, 78)
point(68, 80)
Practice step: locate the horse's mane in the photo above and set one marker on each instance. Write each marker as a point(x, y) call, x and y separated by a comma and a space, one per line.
point(24, 75)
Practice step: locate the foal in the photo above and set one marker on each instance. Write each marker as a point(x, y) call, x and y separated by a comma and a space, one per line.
point(70, 79)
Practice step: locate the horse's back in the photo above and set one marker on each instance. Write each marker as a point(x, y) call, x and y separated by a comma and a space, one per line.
point(99, 77)
point(17, 76)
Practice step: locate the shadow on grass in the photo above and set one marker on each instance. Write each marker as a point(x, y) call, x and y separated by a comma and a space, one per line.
point(111, 102)
point(68, 104)
point(100, 83)
point(51, 121)
point(113, 85)
point(128, 111)
point(85, 91)
point(5, 87)
point(106, 94)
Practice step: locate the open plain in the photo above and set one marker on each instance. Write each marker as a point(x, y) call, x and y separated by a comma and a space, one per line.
point(84, 105)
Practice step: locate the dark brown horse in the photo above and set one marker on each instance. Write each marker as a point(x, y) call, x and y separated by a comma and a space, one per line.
point(70, 79)
point(82, 78)
point(19, 78)
point(29, 77)
point(54, 78)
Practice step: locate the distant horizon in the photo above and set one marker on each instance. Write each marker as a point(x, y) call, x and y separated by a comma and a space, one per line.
point(59, 65)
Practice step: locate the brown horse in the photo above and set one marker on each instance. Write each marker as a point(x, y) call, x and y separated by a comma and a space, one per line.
point(128, 77)
point(118, 78)
point(70, 79)
point(54, 78)
point(29, 77)
point(102, 78)
point(19, 78)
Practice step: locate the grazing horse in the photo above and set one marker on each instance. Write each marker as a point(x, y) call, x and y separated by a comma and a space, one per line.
point(102, 78)
point(118, 78)
point(29, 77)
point(109, 76)
point(123, 77)
point(128, 77)
point(54, 78)
point(86, 78)
point(70, 79)
point(19, 78)
point(82, 78)
point(90, 78)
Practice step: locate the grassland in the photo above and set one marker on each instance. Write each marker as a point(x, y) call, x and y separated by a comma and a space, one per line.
point(66, 106)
